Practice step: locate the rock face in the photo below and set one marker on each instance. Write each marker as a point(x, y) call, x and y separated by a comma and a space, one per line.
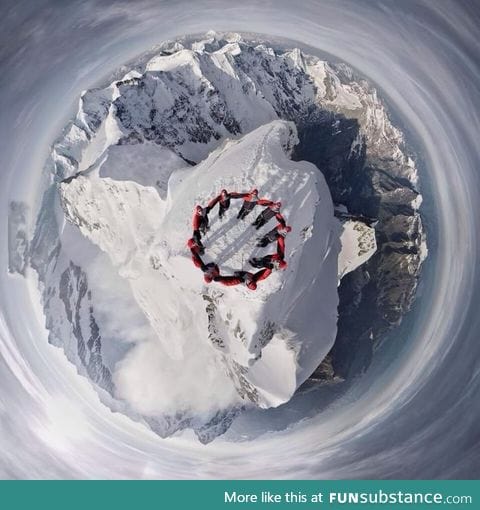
point(172, 111)
point(372, 177)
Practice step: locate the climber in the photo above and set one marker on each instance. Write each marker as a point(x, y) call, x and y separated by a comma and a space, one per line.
point(250, 201)
point(268, 213)
point(200, 222)
point(249, 279)
point(223, 201)
point(237, 278)
point(196, 245)
point(274, 235)
point(274, 261)
point(197, 260)
point(210, 272)
point(196, 250)
point(263, 274)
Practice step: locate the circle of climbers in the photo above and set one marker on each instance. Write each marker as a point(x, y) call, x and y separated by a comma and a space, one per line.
point(266, 264)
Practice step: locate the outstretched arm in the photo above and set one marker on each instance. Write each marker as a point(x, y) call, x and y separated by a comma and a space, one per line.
point(228, 280)
point(197, 260)
point(234, 194)
point(262, 274)
point(265, 201)
point(281, 247)
point(213, 203)
point(280, 219)
point(196, 222)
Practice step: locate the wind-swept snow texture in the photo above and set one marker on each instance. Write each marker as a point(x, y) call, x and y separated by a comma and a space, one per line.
point(121, 294)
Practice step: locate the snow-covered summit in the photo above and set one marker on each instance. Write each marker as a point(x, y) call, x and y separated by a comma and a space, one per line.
point(260, 339)
point(189, 97)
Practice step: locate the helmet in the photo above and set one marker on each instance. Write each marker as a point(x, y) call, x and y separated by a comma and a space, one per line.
point(191, 243)
point(288, 228)
point(254, 191)
point(198, 209)
point(252, 285)
point(223, 192)
point(282, 265)
point(278, 204)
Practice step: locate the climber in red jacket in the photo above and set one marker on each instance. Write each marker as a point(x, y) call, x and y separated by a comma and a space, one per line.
point(250, 201)
point(274, 234)
point(196, 250)
point(249, 279)
point(210, 272)
point(268, 213)
point(223, 201)
point(274, 261)
point(199, 222)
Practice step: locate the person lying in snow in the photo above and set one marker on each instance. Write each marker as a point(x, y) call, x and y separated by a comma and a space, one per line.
point(250, 201)
point(274, 261)
point(268, 213)
point(200, 220)
point(223, 201)
point(249, 279)
point(274, 234)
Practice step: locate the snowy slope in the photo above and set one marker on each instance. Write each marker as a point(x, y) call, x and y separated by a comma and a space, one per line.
point(261, 338)
point(358, 245)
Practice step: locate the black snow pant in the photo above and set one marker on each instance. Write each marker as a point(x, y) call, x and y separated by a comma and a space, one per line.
point(204, 225)
point(268, 238)
point(262, 262)
point(223, 207)
point(246, 208)
point(264, 217)
point(198, 239)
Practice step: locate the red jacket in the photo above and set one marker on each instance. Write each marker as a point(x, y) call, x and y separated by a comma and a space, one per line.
point(279, 217)
point(210, 272)
point(196, 259)
point(273, 207)
point(243, 277)
point(215, 201)
point(229, 281)
point(250, 197)
point(192, 244)
point(262, 201)
point(235, 194)
point(221, 199)
point(282, 230)
point(198, 219)
point(281, 247)
point(263, 274)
